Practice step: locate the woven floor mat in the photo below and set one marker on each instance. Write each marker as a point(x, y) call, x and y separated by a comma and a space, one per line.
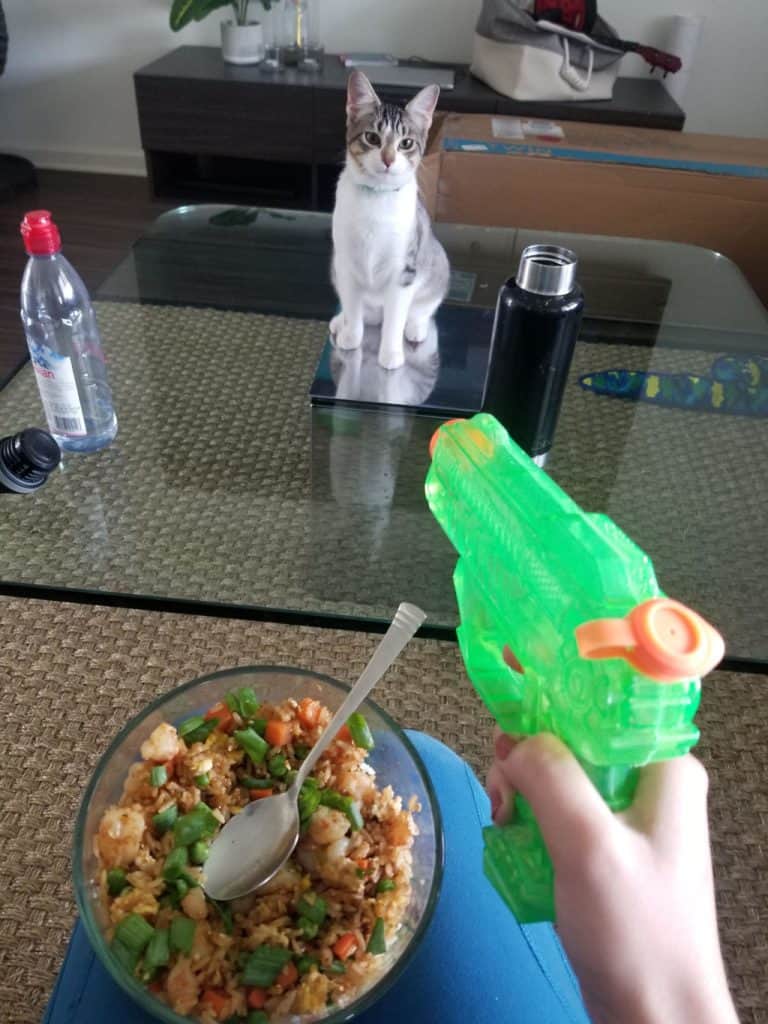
point(71, 675)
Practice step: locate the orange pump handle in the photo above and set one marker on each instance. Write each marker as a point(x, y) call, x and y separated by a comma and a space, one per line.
point(662, 638)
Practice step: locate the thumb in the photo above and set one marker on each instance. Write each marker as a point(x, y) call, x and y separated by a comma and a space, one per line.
point(569, 810)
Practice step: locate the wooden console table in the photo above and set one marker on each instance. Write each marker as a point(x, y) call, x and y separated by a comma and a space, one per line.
point(215, 130)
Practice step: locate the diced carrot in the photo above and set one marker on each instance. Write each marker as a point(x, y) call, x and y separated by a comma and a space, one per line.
point(259, 794)
point(345, 946)
point(363, 863)
point(226, 721)
point(277, 734)
point(155, 987)
point(309, 712)
point(170, 767)
point(215, 1000)
point(257, 997)
point(344, 734)
point(288, 976)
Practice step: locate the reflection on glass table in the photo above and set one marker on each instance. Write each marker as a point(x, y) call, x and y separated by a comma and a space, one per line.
point(228, 491)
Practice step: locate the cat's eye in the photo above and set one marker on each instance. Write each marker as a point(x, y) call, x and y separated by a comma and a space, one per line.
point(406, 144)
point(372, 138)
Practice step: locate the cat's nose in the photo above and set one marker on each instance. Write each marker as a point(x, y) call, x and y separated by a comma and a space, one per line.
point(387, 158)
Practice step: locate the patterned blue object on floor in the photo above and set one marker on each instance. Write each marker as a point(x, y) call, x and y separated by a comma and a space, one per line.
point(476, 964)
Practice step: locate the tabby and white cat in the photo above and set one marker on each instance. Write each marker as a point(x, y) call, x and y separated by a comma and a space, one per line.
point(388, 267)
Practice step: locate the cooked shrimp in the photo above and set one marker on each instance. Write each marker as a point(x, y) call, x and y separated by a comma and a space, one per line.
point(357, 784)
point(162, 745)
point(194, 905)
point(327, 825)
point(119, 837)
point(182, 986)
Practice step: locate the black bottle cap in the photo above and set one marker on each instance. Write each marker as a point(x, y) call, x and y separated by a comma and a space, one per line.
point(26, 459)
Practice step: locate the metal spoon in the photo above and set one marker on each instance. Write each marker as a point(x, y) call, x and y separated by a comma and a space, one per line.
point(254, 845)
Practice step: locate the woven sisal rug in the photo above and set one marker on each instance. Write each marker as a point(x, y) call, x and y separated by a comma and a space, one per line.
point(71, 675)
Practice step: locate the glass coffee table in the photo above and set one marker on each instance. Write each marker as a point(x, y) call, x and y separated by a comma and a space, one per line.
point(227, 492)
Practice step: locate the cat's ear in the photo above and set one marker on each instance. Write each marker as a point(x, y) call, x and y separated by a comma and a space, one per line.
point(422, 106)
point(360, 94)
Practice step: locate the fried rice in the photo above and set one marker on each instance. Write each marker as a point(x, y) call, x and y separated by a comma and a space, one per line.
point(316, 935)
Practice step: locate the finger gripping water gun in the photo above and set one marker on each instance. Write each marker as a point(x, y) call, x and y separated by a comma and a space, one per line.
point(607, 662)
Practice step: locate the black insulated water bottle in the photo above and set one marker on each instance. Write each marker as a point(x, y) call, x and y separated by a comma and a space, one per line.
point(538, 315)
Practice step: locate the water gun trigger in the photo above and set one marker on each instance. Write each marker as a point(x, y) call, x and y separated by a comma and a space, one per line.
point(662, 638)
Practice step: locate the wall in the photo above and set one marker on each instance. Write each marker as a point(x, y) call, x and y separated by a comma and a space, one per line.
point(66, 99)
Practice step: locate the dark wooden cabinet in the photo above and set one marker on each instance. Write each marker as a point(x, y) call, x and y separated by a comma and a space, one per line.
point(215, 130)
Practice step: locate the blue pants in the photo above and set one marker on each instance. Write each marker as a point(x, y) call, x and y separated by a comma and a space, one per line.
point(476, 965)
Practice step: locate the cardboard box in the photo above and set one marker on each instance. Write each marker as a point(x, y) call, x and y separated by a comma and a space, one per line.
point(706, 190)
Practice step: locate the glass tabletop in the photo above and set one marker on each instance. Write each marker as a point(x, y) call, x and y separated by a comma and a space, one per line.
point(228, 491)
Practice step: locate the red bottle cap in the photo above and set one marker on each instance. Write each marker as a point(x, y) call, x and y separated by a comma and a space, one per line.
point(40, 234)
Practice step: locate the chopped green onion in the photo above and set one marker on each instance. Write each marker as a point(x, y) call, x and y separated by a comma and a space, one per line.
point(158, 776)
point(360, 872)
point(361, 734)
point(202, 732)
point(116, 881)
point(203, 780)
point(255, 747)
point(336, 967)
point(306, 963)
point(199, 823)
point(175, 863)
point(263, 966)
point(134, 932)
point(313, 907)
point(182, 887)
point(165, 819)
point(225, 913)
point(250, 783)
point(257, 1017)
point(189, 725)
point(277, 766)
point(182, 934)
point(309, 929)
point(309, 800)
point(259, 725)
point(377, 943)
point(301, 750)
point(170, 898)
point(243, 701)
point(345, 804)
point(158, 952)
point(124, 956)
point(290, 778)
point(385, 885)
point(248, 702)
point(198, 852)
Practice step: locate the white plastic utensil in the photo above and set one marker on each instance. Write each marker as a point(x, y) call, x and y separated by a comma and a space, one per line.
point(254, 845)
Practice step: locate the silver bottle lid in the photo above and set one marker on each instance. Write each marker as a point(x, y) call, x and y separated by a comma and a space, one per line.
point(547, 270)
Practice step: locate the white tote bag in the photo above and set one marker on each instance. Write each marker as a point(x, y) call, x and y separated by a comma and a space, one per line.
point(527, 59)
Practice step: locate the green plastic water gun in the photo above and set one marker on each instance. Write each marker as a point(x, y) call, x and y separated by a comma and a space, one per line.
point(607, 662)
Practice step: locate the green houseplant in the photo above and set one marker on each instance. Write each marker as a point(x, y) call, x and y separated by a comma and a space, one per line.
point(242, 40)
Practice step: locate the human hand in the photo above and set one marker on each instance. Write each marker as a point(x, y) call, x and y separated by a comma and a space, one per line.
point(634, 893)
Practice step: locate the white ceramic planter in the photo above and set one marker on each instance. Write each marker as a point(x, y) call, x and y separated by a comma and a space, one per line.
point(242, 44)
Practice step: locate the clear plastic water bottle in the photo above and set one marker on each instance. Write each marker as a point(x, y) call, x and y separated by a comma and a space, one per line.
point(64, 343)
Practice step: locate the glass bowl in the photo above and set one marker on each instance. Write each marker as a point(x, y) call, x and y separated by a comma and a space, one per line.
point(394, 758)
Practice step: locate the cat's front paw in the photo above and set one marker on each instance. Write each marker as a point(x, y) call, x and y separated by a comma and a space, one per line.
point(346, 337)
point(391, 358)
point(336, 324)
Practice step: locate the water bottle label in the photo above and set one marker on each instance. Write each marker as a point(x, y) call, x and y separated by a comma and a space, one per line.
point(58, 390)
